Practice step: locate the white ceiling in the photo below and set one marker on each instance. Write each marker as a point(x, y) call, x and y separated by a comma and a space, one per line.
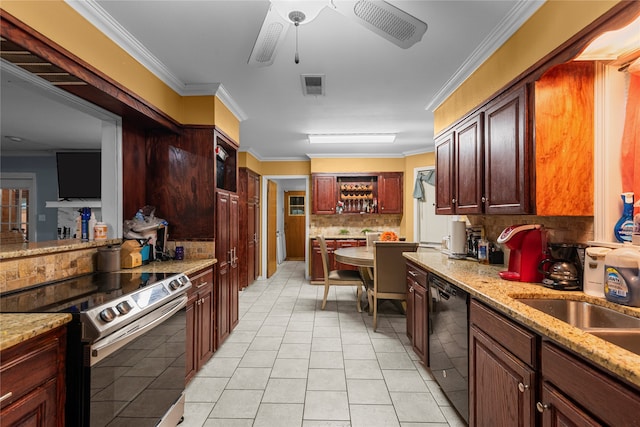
point(372, 86)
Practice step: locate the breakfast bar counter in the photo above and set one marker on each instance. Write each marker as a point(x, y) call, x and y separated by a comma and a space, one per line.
point(484, 284)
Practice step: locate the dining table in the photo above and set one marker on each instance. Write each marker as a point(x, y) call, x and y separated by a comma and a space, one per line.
point(361, 257)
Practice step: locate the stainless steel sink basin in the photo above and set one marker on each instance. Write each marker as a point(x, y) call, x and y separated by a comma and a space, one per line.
point(582, 314)
point(625, 338)
point(610, 325)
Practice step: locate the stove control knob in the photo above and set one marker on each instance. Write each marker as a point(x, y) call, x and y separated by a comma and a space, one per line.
point(124, 307)
point(174, 284)
point(108, 314)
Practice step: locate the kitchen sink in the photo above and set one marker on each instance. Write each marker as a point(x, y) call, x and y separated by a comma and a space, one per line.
point(610, 325)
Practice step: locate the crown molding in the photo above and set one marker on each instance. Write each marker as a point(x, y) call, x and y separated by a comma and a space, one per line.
point(517, 16)
point(356, 156)
point(99, 18)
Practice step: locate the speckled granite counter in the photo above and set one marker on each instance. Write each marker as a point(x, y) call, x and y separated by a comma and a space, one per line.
point(187, 266)
point(17, 328)
point(19, 250)
point(483, 283)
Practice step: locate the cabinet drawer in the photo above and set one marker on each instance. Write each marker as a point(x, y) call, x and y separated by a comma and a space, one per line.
point(611, 401)
point(417, 274)
point(200, 280)
point(24, 371)
point(518, 340)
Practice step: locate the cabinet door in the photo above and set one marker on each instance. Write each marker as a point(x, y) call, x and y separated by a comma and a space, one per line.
point(501, 386)
point(445, 182)
point(191, 333)
point(324, 194)
point(560, 411)
point(507, 156)
point(234, 270)
point(205, 318)
point(420, 328)
point(409, 314)
point(317, 273)
point(252, 231)
point(223, 267)
point(37, 409)
point(468, 166)
point(390, 193)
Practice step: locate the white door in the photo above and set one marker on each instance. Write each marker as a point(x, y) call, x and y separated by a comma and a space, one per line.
point(431, 227)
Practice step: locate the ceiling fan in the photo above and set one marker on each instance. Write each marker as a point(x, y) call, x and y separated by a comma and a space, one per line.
point(380, 17)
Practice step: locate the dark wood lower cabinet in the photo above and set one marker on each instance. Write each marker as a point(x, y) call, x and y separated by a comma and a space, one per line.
point(517, 378)
point(418, 311)
point(501, 387)
point(32, 381)
point(200, 321)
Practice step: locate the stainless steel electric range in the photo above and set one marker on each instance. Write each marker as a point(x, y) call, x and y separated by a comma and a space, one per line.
point(126, 345)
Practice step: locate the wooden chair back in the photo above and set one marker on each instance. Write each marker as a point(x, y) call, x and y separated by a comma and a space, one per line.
point(324, 255)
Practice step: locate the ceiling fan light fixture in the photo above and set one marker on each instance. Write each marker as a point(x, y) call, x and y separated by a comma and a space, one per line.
point(352, 138)
point(291, 10)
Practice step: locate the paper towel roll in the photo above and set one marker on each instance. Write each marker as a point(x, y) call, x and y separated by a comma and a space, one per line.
point(458, 237)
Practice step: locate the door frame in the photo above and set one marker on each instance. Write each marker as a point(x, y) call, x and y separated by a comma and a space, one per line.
point(24, 178)
point(263, 214)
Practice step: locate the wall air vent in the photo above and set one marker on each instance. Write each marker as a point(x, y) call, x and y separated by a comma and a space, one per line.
point(312, 84)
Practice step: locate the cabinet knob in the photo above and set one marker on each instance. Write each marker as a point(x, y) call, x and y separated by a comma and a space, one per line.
point(541, 407)
point(411, 289)
point(453, 201)
point(484, 199)
point(522, 387)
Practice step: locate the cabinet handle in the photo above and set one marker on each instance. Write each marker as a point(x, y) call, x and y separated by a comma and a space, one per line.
point(412, 273)
point(541, 407)
point(6, 396)
point(522, 387)
point(411, 289)
point(202, 284)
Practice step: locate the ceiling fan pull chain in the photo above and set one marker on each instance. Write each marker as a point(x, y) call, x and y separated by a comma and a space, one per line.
point(296, 58)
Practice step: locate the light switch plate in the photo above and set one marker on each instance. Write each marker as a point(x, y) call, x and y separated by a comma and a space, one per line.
point(42, 217)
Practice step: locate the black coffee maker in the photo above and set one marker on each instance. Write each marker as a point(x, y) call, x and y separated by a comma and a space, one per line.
point(563, 266)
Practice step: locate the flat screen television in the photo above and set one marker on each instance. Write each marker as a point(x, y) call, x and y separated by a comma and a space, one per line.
point(79, 175)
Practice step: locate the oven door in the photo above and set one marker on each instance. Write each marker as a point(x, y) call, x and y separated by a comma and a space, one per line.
point(137, 374)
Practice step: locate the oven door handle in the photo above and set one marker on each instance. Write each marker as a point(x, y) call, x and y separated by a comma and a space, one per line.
point(114, 342)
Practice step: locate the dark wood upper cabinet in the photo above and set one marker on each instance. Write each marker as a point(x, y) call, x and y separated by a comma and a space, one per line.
point(324, 189)
point(459, 180)
point(508, 155)
point(445, 182)
point(390, 193)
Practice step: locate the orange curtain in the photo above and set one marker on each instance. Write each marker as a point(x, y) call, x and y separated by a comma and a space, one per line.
point(630, 164)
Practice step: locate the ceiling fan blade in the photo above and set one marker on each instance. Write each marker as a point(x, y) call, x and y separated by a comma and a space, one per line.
point(384, 19)
point(273, 30)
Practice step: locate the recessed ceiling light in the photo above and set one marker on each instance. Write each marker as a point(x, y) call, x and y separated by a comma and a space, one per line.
point(352, 138)
point(14, 138)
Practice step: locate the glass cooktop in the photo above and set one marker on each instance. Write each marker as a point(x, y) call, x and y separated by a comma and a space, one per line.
point(77, 294)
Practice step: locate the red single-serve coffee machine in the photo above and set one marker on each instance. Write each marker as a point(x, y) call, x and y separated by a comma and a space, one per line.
point(527, 243)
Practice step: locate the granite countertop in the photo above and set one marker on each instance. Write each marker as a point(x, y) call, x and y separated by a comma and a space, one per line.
point(484, 284)
point(19, 250)
point(187, 266)
point(18, 327)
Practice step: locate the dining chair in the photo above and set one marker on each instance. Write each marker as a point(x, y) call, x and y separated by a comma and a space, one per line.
point(372, 236)
point(338, 277)
point(389, 274)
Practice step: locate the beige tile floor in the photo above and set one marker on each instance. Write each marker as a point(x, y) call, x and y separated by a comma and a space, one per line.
point(289, 363)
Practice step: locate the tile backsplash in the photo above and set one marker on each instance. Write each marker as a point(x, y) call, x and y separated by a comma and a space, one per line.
point(562, 229)
point(352, 225)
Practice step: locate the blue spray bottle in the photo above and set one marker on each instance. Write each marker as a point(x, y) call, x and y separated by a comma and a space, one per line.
point(623, 229)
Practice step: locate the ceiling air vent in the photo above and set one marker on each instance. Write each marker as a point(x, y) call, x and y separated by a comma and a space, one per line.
point(312, 84)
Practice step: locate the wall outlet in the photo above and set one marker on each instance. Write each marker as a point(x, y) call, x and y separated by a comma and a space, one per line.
point(42, 217)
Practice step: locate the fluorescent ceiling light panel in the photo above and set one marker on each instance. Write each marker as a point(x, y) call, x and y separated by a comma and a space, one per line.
point(352, 138)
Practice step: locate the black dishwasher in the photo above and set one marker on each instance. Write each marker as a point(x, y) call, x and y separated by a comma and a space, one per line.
point(449, 341)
